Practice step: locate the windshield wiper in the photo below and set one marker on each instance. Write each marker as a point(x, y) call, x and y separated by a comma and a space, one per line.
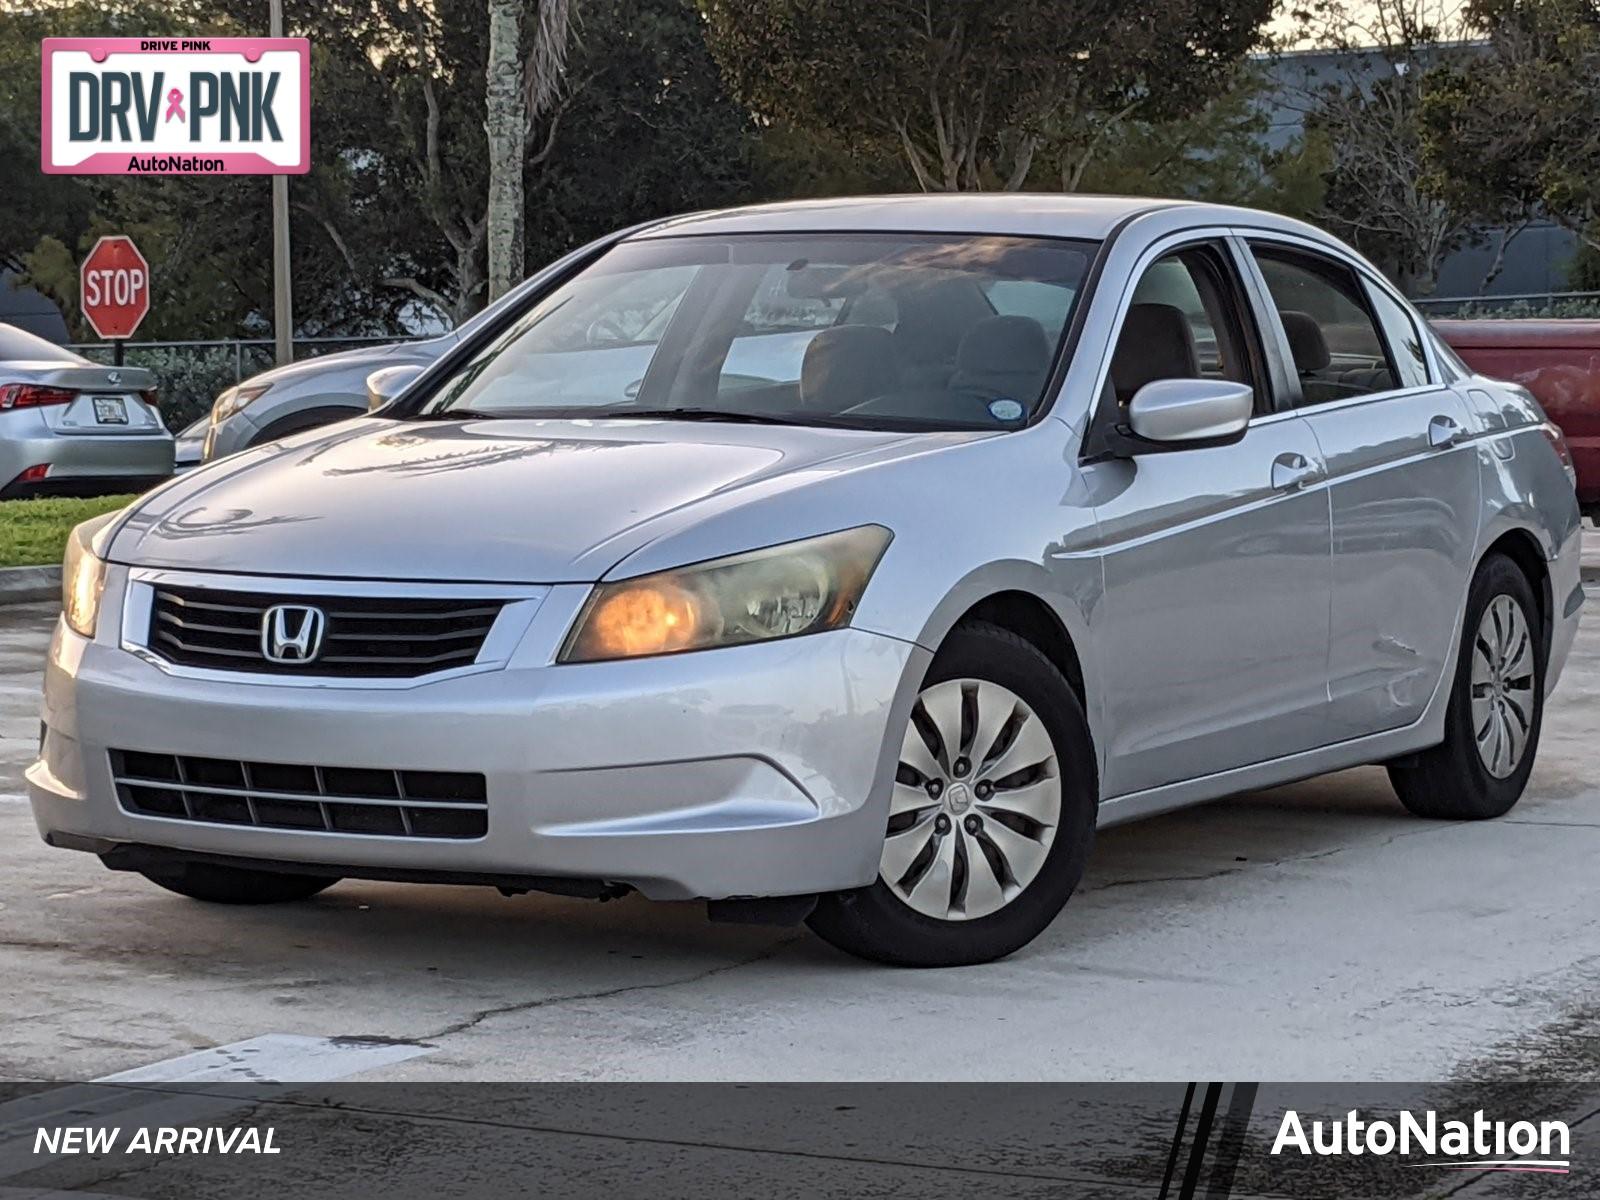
point(695, 414)
point(459, 414)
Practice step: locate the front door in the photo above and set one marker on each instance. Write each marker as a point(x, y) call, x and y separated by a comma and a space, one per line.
point(1214, 631)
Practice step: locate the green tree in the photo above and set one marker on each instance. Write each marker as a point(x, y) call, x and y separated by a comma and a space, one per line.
point(1222, 154)
point(1364, 101)
point(207, 238)
point(1514, 130)
point(971, 95)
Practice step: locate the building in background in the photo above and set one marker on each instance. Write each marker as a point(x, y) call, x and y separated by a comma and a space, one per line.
point(1537, 257)
point(27, 309)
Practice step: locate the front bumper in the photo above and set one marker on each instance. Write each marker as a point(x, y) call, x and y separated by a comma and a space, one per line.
point(758, 770)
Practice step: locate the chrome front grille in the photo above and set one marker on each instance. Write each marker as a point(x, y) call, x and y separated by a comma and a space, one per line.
point(366, 636)
point(363, 800)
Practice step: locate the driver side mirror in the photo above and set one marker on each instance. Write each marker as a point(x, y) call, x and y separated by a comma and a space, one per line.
point(1181, 414)
point(384, 384)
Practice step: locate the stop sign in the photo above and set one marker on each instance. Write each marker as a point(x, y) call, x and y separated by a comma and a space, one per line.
point(114, 287)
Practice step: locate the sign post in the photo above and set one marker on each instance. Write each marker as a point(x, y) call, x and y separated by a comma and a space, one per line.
point(114, 290)
point(282, 302)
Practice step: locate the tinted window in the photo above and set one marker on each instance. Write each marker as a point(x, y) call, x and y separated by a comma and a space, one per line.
point(1405, 340)
point(892, 330)
point(1337, 349)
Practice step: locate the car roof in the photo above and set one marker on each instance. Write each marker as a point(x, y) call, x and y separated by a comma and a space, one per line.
point(18, 345)
point(1054, 214)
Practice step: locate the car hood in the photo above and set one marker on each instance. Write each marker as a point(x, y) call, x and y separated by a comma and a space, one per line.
point(371, 357)
point(524, 501)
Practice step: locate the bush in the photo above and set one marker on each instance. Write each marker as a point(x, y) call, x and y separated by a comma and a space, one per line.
point(1553, 309)
point(188, 378)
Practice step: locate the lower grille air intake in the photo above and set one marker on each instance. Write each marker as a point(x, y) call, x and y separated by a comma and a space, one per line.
point(362, 800)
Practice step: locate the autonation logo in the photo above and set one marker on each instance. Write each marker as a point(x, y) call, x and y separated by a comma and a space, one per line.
point(1476, 1145)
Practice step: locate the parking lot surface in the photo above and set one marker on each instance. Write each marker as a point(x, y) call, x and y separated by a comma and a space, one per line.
point(1310, 932)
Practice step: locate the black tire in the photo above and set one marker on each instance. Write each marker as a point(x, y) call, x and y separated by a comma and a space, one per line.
point(875, 924)
point(1451, 781)
point(237, 885)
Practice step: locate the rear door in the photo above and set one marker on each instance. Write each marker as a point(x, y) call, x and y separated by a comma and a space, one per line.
point(1403, 483)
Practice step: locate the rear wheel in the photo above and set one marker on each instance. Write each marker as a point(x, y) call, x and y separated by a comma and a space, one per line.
point(237, 885)
point(992, 814)
point(1495, 710)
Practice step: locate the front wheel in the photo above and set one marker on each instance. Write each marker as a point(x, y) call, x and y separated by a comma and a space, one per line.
point(1496, 706)
point(992, 814)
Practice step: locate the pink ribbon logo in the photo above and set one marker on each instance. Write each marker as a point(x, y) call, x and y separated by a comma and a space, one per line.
point(175, 105)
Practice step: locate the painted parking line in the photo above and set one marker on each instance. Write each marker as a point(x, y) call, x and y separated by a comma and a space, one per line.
point(275, 1058)
point(133, 1098)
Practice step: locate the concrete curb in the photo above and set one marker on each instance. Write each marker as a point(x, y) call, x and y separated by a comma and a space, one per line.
point(24, 585)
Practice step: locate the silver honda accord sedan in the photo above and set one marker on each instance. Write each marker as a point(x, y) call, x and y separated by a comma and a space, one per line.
point(847, 561)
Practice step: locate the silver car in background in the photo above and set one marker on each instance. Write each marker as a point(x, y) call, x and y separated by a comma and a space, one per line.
point(70, 427)
point(847, 560)
point(306, 394)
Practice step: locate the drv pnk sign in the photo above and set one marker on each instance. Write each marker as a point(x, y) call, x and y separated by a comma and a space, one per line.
point(176, 106)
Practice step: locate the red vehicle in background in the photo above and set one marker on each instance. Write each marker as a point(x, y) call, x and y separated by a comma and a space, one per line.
point(1559, 362)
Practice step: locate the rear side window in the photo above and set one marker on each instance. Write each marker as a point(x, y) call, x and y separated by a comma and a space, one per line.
point(1334, 339)
point(1405, 339)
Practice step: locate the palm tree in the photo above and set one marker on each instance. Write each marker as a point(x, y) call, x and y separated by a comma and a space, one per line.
point(521, 87)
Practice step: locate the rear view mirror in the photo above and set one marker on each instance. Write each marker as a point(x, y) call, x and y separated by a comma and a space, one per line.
point(384, 384)
point(1179, 413)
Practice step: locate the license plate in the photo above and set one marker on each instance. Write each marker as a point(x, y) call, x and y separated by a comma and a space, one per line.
point(110, 410)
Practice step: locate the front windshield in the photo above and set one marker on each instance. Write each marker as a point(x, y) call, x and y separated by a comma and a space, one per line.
point(868, 330)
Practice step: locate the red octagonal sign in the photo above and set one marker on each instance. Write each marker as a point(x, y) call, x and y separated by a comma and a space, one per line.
point(114, 287)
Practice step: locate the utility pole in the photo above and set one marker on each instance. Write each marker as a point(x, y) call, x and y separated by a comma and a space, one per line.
point(282, 301)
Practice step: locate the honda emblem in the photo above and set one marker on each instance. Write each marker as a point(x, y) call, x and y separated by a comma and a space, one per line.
point(292, 633)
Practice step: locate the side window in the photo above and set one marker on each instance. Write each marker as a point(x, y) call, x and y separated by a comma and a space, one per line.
point(1337, 348)
point(1405, 340)
point(1184, 322)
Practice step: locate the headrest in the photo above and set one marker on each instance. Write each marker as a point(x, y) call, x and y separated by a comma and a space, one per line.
point(932, 319)
point(846, 366)
point(1156, 343)
point(1306, 343)
point(1003, 358)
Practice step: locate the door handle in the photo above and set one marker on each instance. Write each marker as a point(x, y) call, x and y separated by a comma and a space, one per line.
point(1291, 471)
point(1443, 433)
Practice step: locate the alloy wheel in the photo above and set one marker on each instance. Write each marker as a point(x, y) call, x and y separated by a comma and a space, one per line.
point(1502, 686)
point(976, 805)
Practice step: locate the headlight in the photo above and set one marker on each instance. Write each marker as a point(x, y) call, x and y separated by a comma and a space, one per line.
point(83, 577)
point(235, 398)
point(782, 591)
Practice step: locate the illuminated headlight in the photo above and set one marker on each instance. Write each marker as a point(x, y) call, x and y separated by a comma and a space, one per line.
point(782, 591)
point(83, 578)
point(235, 398)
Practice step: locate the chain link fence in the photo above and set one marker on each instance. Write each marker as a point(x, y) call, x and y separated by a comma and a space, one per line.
point(190, 374)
